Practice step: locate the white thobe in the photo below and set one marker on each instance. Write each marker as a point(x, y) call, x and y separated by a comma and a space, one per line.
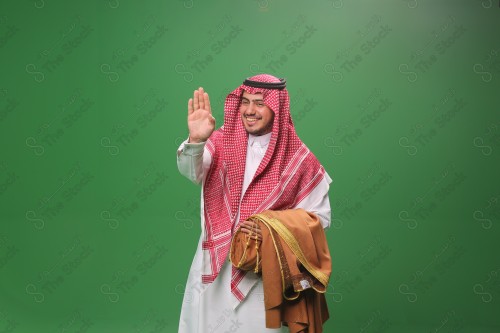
point(212, 308)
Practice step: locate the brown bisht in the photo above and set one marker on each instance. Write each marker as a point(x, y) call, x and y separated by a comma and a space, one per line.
point(295, 263)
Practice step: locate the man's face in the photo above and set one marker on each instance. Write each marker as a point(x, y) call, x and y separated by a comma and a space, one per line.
point(257, 117)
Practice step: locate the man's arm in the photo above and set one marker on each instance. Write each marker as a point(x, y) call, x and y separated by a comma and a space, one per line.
point(191, 155)
point(318, 201)
point(192, 160)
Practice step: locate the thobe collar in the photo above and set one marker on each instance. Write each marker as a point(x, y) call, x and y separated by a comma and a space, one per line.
point(259, 140)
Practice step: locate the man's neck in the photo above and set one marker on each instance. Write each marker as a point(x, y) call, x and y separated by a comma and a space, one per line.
point(262, 139)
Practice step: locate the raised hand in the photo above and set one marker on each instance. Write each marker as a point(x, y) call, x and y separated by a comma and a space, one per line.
point(201, 123)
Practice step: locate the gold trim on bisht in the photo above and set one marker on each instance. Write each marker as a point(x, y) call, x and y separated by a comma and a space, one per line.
point(291, 241)
point(293, 244)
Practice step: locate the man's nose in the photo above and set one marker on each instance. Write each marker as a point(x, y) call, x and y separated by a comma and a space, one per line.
point(251, 108)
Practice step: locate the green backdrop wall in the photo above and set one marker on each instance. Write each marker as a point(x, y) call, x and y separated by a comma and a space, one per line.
point(399, 100)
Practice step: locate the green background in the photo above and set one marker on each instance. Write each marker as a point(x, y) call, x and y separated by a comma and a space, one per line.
point(399, 100)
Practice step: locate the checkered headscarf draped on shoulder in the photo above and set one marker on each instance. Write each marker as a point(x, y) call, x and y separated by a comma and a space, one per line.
point(288, 173)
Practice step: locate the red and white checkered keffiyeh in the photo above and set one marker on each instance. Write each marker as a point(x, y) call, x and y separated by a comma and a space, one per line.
point(288, 173)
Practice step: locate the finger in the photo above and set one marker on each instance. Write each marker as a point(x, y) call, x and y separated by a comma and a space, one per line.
point(251, 234)
point(249, 230)
point(195, 100)
point(245, 230)
point(190, 106)
point(255, 230)
point(201, 101)
point(249, 223)
point(207, 102)
point(253, 226)
point(247, 227)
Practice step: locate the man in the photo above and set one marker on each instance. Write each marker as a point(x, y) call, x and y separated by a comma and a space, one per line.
point(254, 162)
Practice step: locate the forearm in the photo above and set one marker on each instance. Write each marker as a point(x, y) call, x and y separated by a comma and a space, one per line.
point(190, 160)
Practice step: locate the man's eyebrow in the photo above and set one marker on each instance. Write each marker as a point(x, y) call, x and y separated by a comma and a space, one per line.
point(253, 100)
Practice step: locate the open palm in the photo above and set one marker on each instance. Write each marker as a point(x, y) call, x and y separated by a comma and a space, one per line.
point(201, 123)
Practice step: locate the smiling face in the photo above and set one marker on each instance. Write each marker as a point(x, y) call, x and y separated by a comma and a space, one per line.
point(257, 117)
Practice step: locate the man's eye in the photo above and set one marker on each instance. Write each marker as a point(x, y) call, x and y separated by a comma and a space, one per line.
point(260, 104)
point(244, 102)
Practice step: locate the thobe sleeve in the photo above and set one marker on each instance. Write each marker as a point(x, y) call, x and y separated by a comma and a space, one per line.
point(193, 160)
point(318, 201)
